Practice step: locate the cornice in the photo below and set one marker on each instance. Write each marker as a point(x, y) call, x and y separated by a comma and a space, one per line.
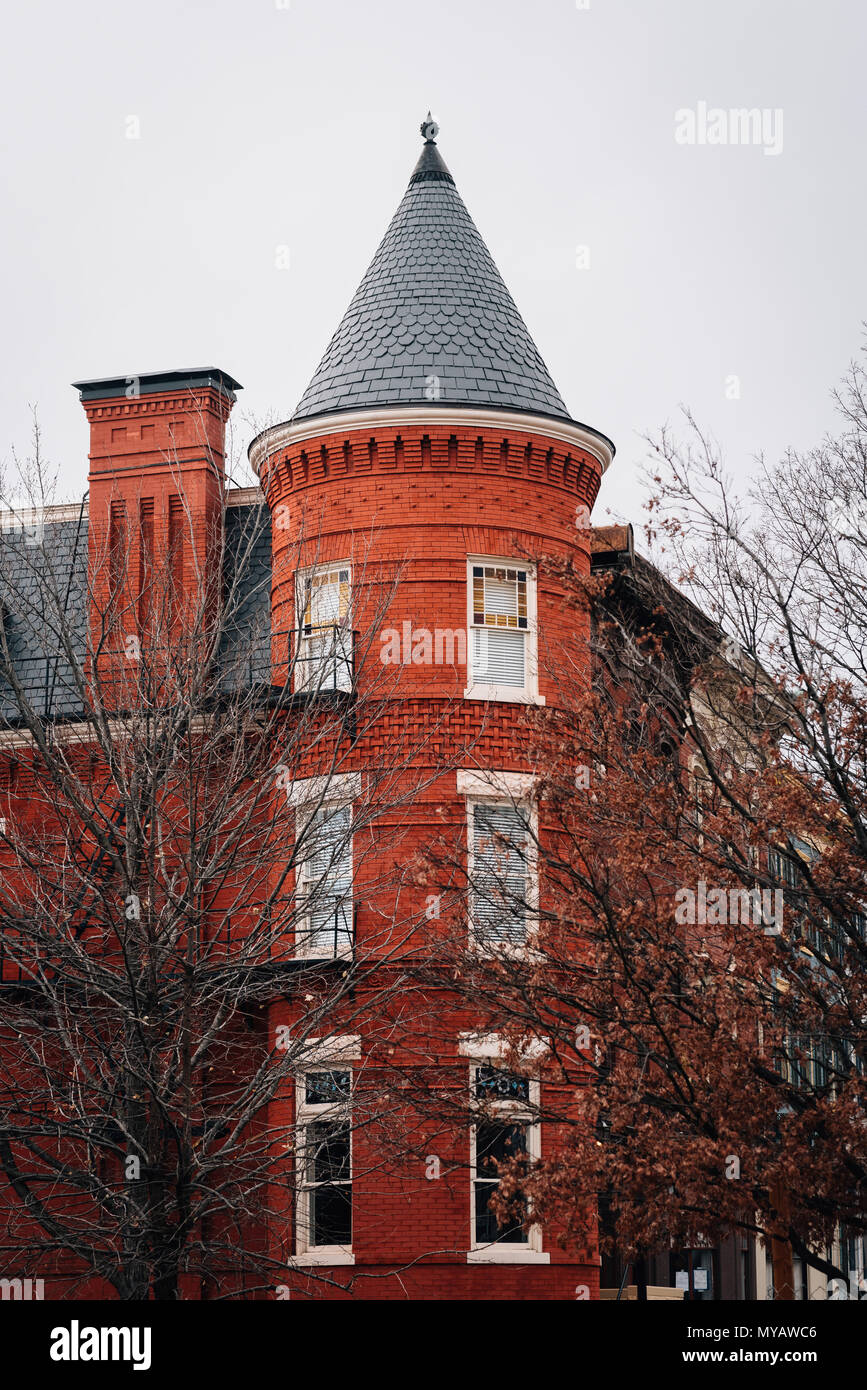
point(280, 437)
point(12, 519)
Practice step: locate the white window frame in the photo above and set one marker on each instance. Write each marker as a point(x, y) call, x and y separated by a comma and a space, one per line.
point(302, 662)
point(494, 792)
point(510, 1111)
point(309, 797)
point(482, 690)
point(305, 1114)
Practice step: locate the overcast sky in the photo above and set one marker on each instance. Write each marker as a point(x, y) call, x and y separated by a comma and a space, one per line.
point(265, 124)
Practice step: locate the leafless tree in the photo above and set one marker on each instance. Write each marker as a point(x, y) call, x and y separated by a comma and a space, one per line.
point(707, 1069)
point(178, 897)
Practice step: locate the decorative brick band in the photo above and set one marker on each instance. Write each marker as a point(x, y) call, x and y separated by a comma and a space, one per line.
point(279, 439)
point(413, 450)
point(189, 403)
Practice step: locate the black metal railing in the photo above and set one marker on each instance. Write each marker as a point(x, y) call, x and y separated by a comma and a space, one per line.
point(302, 661)
point(325, 927)
point(50, 687)
point(323, 659)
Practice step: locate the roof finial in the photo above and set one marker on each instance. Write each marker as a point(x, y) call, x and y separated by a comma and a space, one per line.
point(429, 129)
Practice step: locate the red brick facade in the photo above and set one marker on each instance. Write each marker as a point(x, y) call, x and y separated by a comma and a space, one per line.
point(411, 506)
point(403, 504)
point(408, 503)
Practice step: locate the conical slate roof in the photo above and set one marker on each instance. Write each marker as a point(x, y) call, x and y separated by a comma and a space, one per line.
point(432, 321)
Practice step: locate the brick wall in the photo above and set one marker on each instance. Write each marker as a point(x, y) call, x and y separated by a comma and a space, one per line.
point(405, 507)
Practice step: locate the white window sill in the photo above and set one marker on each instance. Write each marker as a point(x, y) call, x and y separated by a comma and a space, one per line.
point(506, 950)
point(342, 954)
point(503, 693)
point(490, 1047)
point(325, 1255)
point(507, 1255)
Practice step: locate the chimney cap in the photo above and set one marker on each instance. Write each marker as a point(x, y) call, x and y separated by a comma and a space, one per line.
point(136, 384)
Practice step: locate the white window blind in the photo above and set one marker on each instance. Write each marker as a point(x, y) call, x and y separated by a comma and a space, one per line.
point(327, 883)
point(324, 660)
point(498, 657)
point(499, 622)
point(500, 876)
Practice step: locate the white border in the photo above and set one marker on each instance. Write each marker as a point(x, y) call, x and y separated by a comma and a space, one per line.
point(488, 782)
point(12, 519)
point(343, 1047)
point(335, 786)
point(490, 1047)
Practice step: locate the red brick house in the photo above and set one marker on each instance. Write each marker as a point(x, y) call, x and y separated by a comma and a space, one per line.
point(431, 442)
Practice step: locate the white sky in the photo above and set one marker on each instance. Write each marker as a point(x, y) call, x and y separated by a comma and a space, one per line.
point(264, 127)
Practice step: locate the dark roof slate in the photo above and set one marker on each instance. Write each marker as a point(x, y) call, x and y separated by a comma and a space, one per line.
point(43, 592)
point(432, 321)
point(43, 576)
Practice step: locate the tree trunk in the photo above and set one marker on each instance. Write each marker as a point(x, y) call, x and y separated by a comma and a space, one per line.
point(781, 1253)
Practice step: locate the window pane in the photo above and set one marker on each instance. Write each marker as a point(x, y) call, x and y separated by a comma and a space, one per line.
point(327, 1149)
point(494, 1083)
point(331, 1215)
point(500, 620)
point(327, 596)
point(327, 880)
point(330, 925)
point(329, 840)
point(498, 656)
point(487, 1227)
point(500, 873)
point(326, 1087)
point(325, 603)
point(324, 649)
point(501, 595)
point(324, 660)
point(496, 1144)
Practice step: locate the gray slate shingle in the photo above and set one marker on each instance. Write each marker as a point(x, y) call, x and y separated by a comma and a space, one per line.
point(432, 304)
point(43, 590)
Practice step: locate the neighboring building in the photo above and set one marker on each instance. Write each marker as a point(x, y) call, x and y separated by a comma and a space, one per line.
point(738, 1267)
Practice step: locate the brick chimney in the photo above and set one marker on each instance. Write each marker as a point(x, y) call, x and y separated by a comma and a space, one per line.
point(157, 479)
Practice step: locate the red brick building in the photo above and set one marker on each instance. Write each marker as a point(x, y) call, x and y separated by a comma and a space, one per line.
point(430, 460)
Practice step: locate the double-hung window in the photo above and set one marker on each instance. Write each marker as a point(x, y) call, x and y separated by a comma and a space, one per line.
point(502, 872)
point(324, 656)
point(501, 618)
point(324, 1157)
point(324, 877)
point(505, 1132)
